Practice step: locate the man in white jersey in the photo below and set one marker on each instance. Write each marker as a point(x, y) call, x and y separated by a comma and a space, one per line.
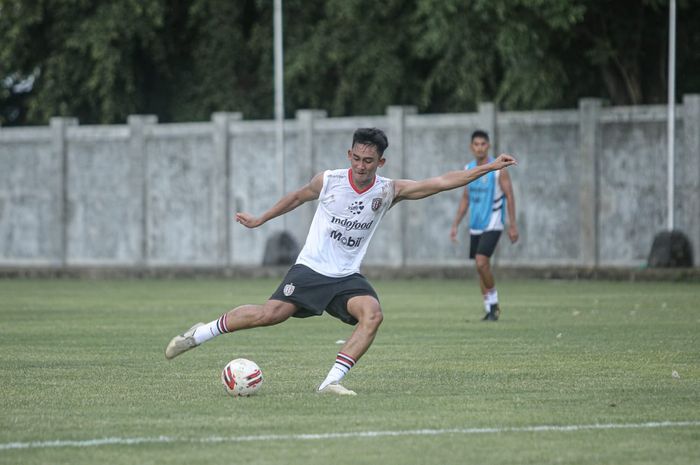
point(485, 200)
point(326, 275)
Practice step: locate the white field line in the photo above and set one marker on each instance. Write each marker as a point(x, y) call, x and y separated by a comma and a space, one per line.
point(355, 434)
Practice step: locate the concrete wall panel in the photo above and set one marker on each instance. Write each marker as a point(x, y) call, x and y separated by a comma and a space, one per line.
point(104, 203)
point(185, 188)
point(632, 190)
point(255, 187)
point(546, 196)
point(30, 218)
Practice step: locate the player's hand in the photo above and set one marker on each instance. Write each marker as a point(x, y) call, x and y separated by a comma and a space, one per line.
point(248, 220)
point(513, 234)
point(453, 234)
point(504, 160)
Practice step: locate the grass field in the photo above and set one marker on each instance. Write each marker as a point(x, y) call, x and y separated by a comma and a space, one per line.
point(574, 373)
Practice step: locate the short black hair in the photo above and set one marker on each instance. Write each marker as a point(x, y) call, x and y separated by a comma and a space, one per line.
point(481, 134)
point(371, 136)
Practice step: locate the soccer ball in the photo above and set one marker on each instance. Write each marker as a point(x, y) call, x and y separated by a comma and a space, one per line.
point(241, 377)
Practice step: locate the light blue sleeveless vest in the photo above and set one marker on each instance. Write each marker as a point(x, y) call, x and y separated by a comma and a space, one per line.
point(481, 198)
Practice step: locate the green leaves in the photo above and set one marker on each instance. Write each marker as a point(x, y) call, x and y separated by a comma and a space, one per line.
point(101, 61)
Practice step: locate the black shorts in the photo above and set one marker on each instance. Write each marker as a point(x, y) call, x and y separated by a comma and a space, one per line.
point(484, 243)
point(315, 293)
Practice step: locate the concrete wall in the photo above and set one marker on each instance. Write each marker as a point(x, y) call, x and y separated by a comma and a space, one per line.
point(590, 186)
point(30, 204)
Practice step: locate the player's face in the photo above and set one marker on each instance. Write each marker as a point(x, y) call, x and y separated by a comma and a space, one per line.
point(364, 161)
point(480, 148)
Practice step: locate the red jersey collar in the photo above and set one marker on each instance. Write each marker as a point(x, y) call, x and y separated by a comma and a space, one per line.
point(355, 188)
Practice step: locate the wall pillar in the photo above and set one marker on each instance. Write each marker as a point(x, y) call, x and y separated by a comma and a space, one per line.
point(59, 151)
point(396, 169)
point(588, 175)
point(306, 158)
point(307, 155)
point(137, 145)
point(687, 183)
point(222, 148)
point(487, 116)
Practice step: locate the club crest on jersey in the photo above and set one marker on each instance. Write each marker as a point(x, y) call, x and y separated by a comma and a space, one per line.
point(288, 289)
point(356, 207)
point(376, 203)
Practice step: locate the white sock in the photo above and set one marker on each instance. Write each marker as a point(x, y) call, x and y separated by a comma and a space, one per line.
point(492, 296)
point(340, 368)
point(211, 330)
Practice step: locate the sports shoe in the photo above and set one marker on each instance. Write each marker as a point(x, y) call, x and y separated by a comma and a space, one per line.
point(182, 343)
point(336, 389)
point(493, 314)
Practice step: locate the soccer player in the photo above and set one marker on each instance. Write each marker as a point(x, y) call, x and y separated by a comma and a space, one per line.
point(326, 274)
point(485, 200)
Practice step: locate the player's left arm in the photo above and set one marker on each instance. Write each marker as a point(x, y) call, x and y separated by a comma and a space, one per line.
point(507, 188)
point(406, 189)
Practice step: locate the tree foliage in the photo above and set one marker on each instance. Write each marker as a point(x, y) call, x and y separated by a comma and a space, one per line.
point(184, 59)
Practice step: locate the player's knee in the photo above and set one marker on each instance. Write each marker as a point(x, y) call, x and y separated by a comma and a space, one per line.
point(372, 318)
point(377, 318)
point(482, 263)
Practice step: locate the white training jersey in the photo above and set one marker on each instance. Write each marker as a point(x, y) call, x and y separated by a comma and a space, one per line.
point(344, 223)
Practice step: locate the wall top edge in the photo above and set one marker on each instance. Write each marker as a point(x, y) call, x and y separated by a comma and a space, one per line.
point(264, 126)
point(26, 133)
point(446, 121)
point(350, 123)
point(640, 114)
point(178, 129)
point(607, 113)
point(560, 117)
point(90, 132)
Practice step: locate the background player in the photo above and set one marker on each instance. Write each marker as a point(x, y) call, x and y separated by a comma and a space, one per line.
point(485, 199)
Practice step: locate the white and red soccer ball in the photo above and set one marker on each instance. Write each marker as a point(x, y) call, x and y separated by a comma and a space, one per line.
point(241, 377)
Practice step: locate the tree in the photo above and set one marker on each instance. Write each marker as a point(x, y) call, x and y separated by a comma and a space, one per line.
point(226, 63)
point(348, 57)
point(184, 59)
point(91, 68)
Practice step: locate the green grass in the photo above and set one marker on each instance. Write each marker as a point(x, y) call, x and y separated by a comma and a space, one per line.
point(82, 360)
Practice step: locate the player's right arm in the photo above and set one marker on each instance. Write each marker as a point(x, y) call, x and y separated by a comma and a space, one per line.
point(461, 211)
point(406, 189)
point(289, 202)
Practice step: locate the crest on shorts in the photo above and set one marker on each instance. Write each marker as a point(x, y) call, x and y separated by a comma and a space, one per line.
point(376, 203)
point(288, 289)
